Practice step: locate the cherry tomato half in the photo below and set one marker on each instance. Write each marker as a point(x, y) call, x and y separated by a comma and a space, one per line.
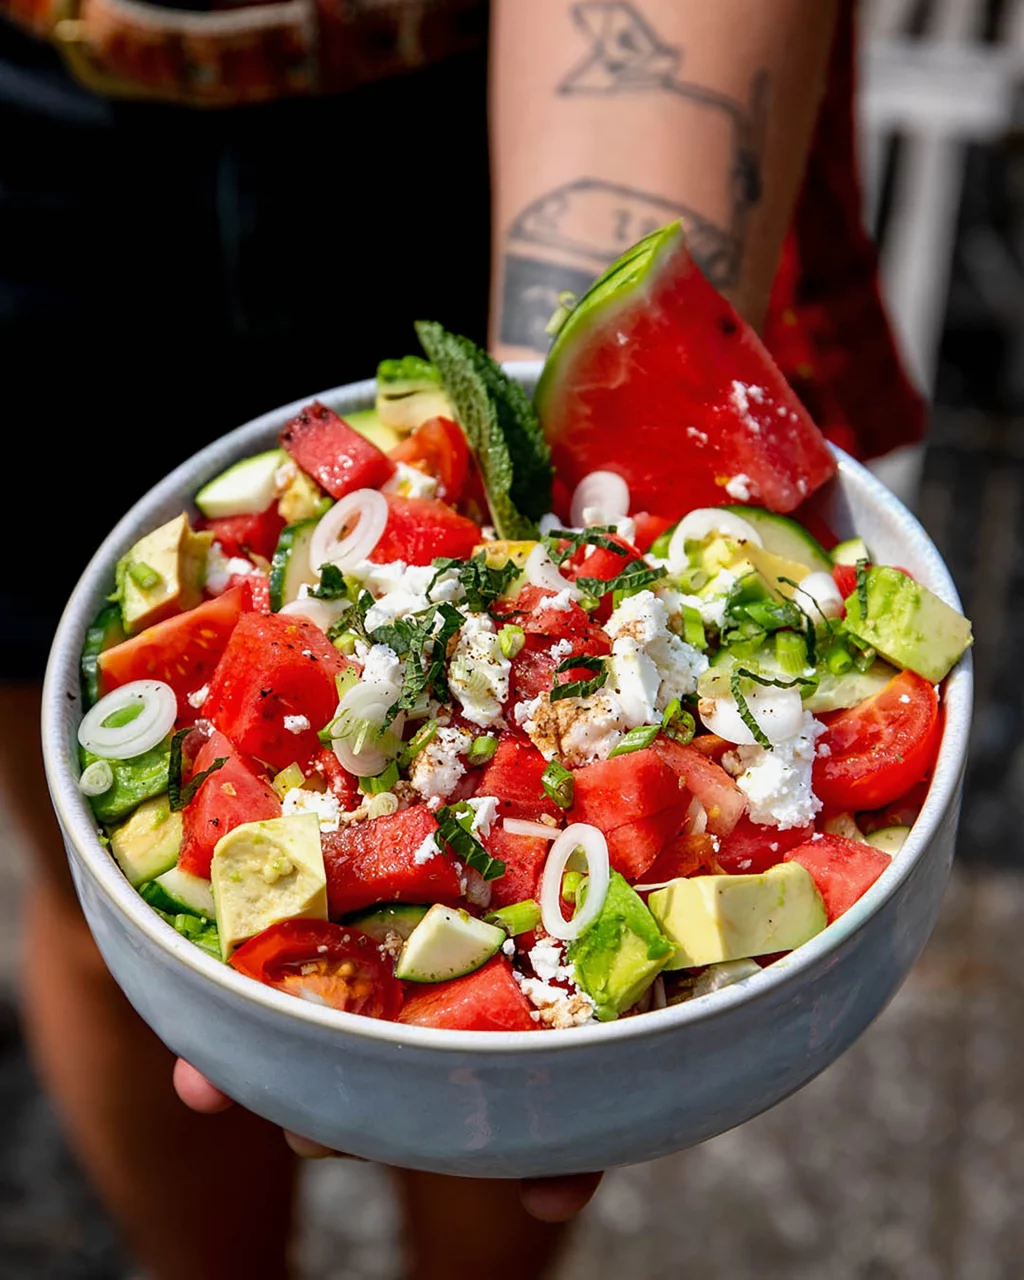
point(439, 448)
point(328, 964)
point(876, 751)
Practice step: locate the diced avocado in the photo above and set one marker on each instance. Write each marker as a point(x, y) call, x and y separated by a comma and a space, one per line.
point(162, 574)
point(447, 943)
point(149, 842)
point(501, 551)
point(367, 422)
point(397, 919)
point(836, 692)
point(187, 892)
point(290, 568)
point(775, 570)
point(850, 551)
point(104, 632)
point(621, 954)
point(245, 488)
point(265, 872)
point(302, 499)
point(908, 624)
point(889, 839)
point(135, 780)
point(785, 537)
point(716, 918)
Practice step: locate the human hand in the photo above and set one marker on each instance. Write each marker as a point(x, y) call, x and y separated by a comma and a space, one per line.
point(546, 1199)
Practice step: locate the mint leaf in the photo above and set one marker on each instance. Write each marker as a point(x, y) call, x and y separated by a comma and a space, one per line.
point(502, 429)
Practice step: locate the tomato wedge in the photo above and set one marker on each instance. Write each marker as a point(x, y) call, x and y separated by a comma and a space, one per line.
point(873, 753)
point(439, 448)
point(327, 964)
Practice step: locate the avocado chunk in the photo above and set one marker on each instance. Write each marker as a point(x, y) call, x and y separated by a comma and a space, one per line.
point(149, 842)
point(163, 574)
point(621, 954)
point(715, 918)
point(447, 943)
point(265, 872)
point(908, 624)
point(135, 780)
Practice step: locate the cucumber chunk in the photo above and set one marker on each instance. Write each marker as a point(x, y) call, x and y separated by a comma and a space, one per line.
point(850, 551)
point(148, 844)
point(395, 918)
point(246, 488)
point(290, 568)
point(833, 693)
point(187, 892)
point(447, 943)
point(785, 537)
point(889, 839)
point(368, 423)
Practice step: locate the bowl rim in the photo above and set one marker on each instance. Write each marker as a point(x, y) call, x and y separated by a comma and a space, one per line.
point(79, 826)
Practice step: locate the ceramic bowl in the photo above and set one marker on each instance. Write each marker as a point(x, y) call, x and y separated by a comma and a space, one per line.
point(510, 1104)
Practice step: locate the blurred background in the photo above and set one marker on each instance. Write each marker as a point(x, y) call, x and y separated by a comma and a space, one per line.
point(906, 1158)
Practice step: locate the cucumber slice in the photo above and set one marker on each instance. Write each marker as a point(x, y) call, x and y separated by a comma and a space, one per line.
point(367, 422)
point(290, 567)
point(148, 843)
point(785, 537)
point(447, 943)
point(888, 839)
point(104, 632)
point(833, 693)
point(396, 918)
point(850, 551)
point(246, 488)
point(187, 893)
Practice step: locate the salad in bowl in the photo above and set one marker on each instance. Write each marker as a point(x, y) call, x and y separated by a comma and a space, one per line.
point(478, 713)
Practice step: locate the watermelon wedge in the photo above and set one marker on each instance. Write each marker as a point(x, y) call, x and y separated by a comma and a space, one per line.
point(655, 376)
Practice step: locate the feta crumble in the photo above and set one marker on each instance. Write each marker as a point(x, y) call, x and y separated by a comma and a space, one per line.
point(436, 770)
point(322, 803)
point(739, 487)
point(479, 671)
point(199, 697)
point(296, 724)
point(410, 482)
point(777, 783)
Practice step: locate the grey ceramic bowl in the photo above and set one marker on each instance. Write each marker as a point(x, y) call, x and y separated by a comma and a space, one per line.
point(510, 1104)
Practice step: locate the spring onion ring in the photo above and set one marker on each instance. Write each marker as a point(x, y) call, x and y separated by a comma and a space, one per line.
point(603, 496)
point(350, 530)
point(156, 706)
point(580, 835)
point(536, 830)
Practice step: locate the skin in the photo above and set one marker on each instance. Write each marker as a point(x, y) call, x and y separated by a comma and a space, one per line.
point(607, 120)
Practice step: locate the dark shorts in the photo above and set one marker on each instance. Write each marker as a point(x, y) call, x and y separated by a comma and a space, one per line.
point(166, 274)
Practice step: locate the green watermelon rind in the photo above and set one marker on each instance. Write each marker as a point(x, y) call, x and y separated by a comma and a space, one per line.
point(615, 284)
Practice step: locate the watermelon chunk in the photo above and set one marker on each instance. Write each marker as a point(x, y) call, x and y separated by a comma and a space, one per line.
point(634, 846)
point(751, 848)
point(514, 776)
point(655, 376)
point(487, 1000)
point(524, 858)
point(708, 781)
point(623, 789)
point(421, 529)
point(843, 869)
point(233, 794)
point(376, 861)
point(338, 458)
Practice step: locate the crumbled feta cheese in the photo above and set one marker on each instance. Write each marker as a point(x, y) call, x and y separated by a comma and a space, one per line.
point(579, 730)
point(199, 697)
point(220, 568)
point(777, 783)
point(427, 851)
point(547, 959)
point(633, 680)
point(296, 724)
point(561, 602)
point(626, 528)
point(646, 654)
point(400, 589)
point(485, 814)
point(508, 947)
point(824, 750)
point(742, 396)
point(381, 665)
point(700, 436)
point(322, 803)
point(410, 482)
point(479, 671)
point(435, 771)
point(739, 487)
point(904, 697)
point(561, 650)
point(556, 1007)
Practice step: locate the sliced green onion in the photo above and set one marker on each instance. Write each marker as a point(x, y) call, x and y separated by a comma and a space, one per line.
point(862, 588)
point(692, 580)
point(454, 830)
point(382, 805)
point(659, 547)
point(518, 917)
point(791, 651)
point(636, 740)
point(511, 640)
point(423, 735)
point(288, 779)
point(346, 643)
point(677, 723)
point(145, 576)
point(481, 749)
point(571, 884)
point(348, 679)
point(97, 778)
point(693, 627)
point(839, 660)
point(382, 782)
point(558, 784)
point(122, 716)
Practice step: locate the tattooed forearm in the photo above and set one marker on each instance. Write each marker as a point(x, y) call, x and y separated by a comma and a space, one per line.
point(562, 240)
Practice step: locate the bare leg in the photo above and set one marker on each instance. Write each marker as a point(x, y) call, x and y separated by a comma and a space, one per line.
point(194, 1196)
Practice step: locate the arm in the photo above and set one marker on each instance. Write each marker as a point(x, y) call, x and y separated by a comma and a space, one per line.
point(609, 119)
